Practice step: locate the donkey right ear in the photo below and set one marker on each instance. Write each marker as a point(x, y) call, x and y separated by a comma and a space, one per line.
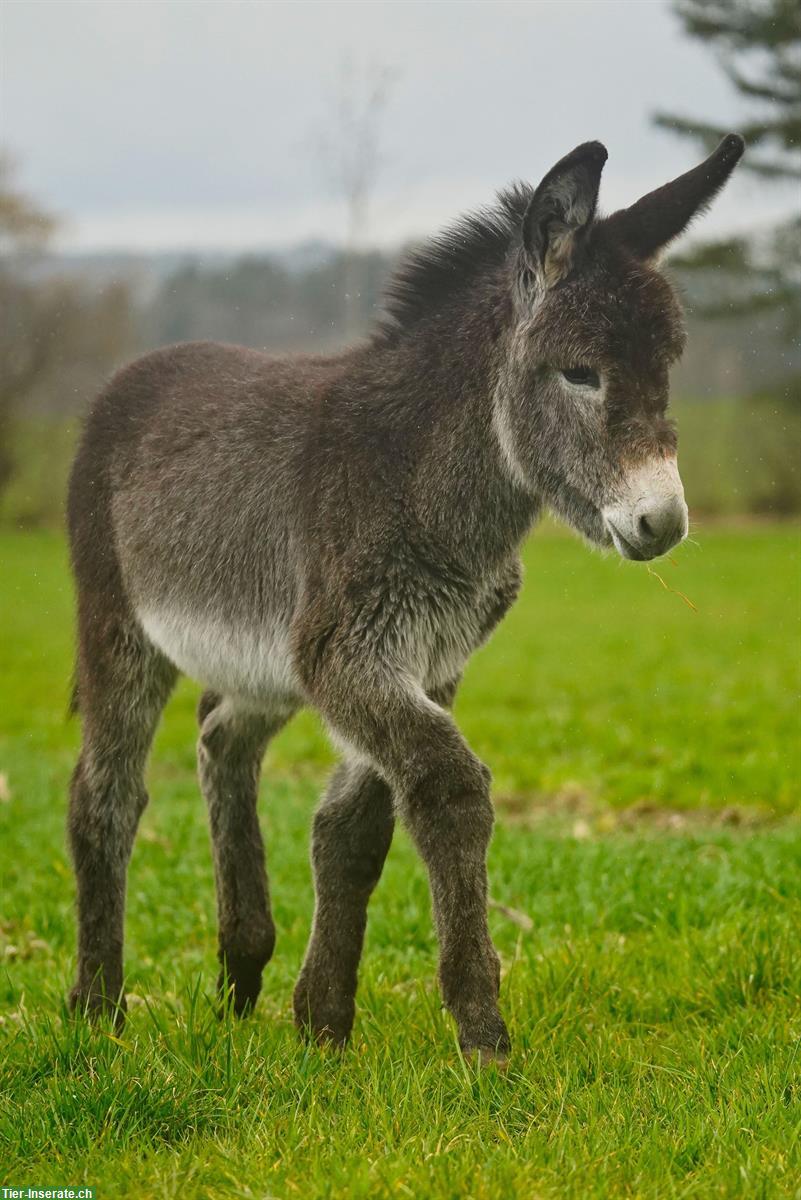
point(560, 210)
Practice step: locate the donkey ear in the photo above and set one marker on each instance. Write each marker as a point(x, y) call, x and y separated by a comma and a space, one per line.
point(662, 215)
point(562, 206)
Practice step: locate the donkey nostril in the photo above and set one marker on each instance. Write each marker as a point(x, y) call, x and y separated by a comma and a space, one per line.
point(645, 527)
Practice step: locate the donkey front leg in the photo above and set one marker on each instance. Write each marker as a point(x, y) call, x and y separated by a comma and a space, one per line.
point(230, 749)
point(352, 834)
point(442, 793)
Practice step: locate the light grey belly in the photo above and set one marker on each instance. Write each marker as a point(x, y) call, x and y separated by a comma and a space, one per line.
point(253, 662)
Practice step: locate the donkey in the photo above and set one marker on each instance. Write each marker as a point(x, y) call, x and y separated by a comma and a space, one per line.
point(343, 532)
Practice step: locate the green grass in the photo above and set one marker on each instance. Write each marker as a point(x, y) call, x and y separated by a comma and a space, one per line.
point(646, 772)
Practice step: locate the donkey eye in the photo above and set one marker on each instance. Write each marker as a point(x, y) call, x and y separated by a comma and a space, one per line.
point(582, 375)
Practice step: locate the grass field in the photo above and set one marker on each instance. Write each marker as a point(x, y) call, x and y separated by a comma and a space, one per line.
point(647, 859)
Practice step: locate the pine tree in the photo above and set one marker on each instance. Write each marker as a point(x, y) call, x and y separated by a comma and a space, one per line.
point(758, 45)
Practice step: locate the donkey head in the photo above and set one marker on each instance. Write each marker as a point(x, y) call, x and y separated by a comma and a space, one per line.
point(580, 407)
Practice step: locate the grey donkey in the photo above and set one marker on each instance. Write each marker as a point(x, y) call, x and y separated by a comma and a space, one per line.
point(343, 532)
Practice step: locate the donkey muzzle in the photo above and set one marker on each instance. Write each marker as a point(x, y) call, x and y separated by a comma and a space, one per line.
point(650, 515)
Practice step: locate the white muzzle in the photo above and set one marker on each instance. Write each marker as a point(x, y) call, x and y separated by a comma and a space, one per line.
point(649, 516)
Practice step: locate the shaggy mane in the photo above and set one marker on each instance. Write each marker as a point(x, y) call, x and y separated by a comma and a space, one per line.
point(430, 274)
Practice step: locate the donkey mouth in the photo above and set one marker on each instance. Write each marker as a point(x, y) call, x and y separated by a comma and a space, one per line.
point(624, 547)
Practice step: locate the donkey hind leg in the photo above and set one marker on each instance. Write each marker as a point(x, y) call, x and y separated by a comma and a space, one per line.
point(351, 837)
point(230, 749)
point(124, 684)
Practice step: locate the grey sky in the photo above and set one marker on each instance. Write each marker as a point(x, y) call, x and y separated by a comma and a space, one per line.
point(179, 123)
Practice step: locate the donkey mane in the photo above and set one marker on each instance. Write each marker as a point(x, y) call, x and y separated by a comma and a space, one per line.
point(445, 264)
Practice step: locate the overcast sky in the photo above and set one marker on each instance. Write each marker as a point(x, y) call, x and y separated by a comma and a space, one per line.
point(156, 124)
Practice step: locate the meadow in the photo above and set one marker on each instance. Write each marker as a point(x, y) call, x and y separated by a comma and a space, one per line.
point(643, 732)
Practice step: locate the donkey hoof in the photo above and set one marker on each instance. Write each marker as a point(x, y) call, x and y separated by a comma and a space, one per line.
point(490, 1043)
point(326, 1022)
point(95, 1005)
point(323, 1035)
point(238, 993)
point(487, 1056)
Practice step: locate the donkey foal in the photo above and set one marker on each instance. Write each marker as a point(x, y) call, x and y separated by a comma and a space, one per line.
point(343, 532)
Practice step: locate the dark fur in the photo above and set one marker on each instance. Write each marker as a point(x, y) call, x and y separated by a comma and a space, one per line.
point(343, 532)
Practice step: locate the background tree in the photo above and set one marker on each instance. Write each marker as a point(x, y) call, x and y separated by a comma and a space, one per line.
point(23, 343)
point(758, 44)
point(58, 336)
point(348, 146)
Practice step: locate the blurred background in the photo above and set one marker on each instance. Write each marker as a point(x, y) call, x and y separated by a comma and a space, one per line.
point(250, 172)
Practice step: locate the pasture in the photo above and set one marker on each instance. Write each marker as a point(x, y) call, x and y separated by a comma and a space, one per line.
point(646, 879)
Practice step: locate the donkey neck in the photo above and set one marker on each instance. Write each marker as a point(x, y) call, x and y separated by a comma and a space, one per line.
point(463, 495)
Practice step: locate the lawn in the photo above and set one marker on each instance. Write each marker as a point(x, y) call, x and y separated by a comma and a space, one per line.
point(646, 873)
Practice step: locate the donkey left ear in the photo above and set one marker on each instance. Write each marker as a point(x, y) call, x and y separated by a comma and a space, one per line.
point(560, 209)
point(659, 217)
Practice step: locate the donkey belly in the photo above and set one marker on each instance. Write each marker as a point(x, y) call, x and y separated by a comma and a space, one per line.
point(249, 661)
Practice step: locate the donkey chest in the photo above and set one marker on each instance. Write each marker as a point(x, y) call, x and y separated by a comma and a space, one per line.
point(450, 633)
point(445, 650)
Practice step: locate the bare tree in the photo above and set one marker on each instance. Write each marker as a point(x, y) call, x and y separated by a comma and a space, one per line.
point(24, 347)
point(348, 145)
point(51, 325)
